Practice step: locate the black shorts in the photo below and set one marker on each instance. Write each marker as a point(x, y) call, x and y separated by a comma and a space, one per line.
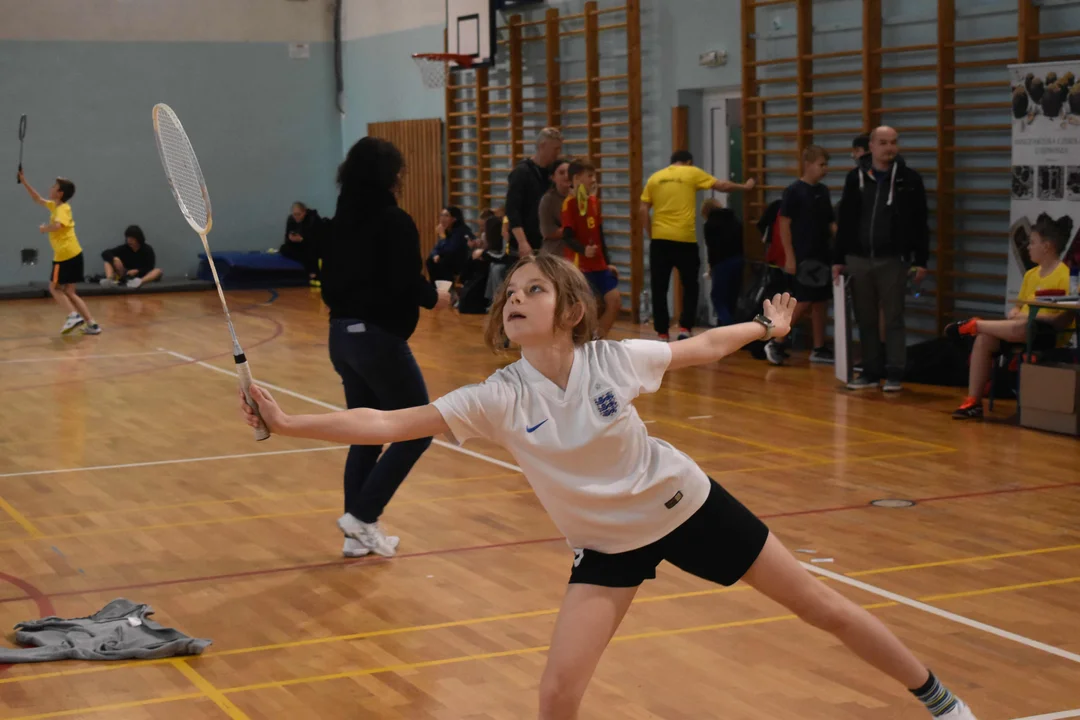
point(718, 543)
point(1045, 338)
point(68, 272)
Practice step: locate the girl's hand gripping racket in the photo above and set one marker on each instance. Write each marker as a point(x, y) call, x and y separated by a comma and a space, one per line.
point(189, 188)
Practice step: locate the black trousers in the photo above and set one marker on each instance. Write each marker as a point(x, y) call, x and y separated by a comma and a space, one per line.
point(665, 256)
point(378, 371)
point(303, 252)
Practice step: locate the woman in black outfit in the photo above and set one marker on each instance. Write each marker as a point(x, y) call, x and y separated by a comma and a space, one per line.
point(448, 257)
point(724, 244)
point(373, 284)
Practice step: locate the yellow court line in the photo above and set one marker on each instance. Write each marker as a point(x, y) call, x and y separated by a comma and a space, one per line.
point(960, 561)
point(743, 441)
point(209, 690)
point(408, 629)
point(18, 517)
point(804, 418)
point(833, 461)
point(247, 518)
point(114, 706)
point(1003, 588)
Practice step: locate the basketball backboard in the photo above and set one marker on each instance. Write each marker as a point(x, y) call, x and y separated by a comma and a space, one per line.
point(470, 30)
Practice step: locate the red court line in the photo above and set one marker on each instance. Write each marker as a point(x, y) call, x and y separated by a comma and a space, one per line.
point(515, 543)
point(44, 604)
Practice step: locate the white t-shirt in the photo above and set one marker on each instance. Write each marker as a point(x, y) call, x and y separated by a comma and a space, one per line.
point(607, 485)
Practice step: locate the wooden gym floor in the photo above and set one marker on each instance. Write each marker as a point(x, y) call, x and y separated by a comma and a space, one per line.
point(124, 472)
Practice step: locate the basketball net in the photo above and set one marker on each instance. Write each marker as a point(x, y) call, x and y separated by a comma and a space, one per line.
point(435, 67)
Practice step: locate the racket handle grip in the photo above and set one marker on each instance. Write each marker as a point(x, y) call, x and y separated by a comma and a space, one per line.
point(244, 373)
point(18, 175)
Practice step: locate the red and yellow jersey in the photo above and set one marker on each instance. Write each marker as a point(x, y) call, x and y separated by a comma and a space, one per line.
point(586, 230)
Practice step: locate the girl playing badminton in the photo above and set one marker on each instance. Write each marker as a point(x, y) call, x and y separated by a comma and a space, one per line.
point(624, 500)
point(67, 254)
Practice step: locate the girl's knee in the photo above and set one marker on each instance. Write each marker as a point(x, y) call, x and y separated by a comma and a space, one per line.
point(828, 610)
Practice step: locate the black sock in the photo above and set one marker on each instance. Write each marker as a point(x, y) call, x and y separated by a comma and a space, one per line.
point(936, 697)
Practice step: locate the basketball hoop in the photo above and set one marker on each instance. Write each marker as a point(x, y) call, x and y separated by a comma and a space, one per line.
point(434, 67)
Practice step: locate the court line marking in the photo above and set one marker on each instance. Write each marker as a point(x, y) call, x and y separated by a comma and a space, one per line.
point(468, 622)
point(947, 563)
point(209, 689)
point(330, 406)
point(176, 461)
point(114, 706)
point(1054, 716)
point(80, 357)
point(945, 614)
point(833, 461)
point(19, 518)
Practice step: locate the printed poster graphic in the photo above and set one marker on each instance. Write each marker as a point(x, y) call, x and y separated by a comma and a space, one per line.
point(1045, 159)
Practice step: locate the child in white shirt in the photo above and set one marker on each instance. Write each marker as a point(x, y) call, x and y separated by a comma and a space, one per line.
point(624, 500)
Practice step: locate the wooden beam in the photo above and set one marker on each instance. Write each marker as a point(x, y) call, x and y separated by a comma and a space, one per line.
point(804, 41)
point(483, 185)
point(945, 200)
point(1027, 47)
point(753, 129)
point(633, 72)
point(871, 60)
point(551, 53)
point(592, 69)
point(516, 110)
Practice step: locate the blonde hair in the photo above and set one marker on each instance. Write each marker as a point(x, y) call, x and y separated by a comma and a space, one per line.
point(548, 133)
point(571, 290)
point(813, 153)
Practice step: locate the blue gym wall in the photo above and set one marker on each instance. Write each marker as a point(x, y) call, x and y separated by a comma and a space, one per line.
point(265, 128)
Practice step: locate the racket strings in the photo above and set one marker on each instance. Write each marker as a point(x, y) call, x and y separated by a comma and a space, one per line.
point(182, 170)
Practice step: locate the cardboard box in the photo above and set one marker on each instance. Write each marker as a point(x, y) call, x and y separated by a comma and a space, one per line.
point(1053, 388)
point(1065, 423)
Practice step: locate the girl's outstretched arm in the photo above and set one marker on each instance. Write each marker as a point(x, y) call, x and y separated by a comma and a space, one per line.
point(362, 426)
point(719, 342)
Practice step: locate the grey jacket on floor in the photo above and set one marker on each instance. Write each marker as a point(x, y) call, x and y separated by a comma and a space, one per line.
point(119, 631)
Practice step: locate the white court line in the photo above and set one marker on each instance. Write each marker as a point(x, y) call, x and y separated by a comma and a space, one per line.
point(80, 357)
point(903, 600)
point(179, 461)
point(1054, 716)
point(329, 406)
point(699, 417)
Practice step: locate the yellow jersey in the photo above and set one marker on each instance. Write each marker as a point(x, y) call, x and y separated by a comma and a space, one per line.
point(64, 243)
point(673, 195)
point(1034, 281)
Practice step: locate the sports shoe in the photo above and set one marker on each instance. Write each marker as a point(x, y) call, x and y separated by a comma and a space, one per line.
point(956, 331)
point(663, 337)
point(73, 321)
point(892, 385)
point(134, 282)
point(108, 282)
point(684, 334)
point(91, 329)
point(774, 353)
point(968, 412)
point(960, 712)
point(862, 382)
point(369, 535)
point(822, 356)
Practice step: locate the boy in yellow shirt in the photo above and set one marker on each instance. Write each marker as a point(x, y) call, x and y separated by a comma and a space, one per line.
point(1047, 242)
point(67, 254)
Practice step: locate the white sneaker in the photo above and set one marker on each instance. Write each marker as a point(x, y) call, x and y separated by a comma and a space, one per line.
point(73, 321)
point(369, 535)
point(773, 353)
point(134, 283)
point(108, 282)
point(960, 712)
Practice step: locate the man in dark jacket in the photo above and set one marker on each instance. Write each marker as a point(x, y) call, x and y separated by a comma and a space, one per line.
point(882, 235)
point(300, 241)
point(525, 188)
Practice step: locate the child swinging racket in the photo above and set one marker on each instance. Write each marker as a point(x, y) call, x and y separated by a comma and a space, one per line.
point(189, 188)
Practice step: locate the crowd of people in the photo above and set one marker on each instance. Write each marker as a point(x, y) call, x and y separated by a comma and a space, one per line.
point(564, 410)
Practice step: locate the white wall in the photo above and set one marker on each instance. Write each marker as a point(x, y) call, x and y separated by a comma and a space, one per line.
point(169, 20)
point(365, 18)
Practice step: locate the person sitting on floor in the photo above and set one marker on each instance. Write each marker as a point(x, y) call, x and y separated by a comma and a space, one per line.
point(300, 240)
point(448, 256)
point(1047, 242)
point(130, 264)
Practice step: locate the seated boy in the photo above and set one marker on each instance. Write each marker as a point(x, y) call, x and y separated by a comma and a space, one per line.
point(1047, 242)
point(130, 264)
point(583, 235)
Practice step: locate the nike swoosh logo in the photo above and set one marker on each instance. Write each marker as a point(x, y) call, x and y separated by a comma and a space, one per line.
point(534, 427)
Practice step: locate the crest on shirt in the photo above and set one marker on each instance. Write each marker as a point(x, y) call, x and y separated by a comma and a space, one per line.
point(605, 403)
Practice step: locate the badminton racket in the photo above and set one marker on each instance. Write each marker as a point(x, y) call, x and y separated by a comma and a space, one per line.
point(189, 188)
point(22, 136)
